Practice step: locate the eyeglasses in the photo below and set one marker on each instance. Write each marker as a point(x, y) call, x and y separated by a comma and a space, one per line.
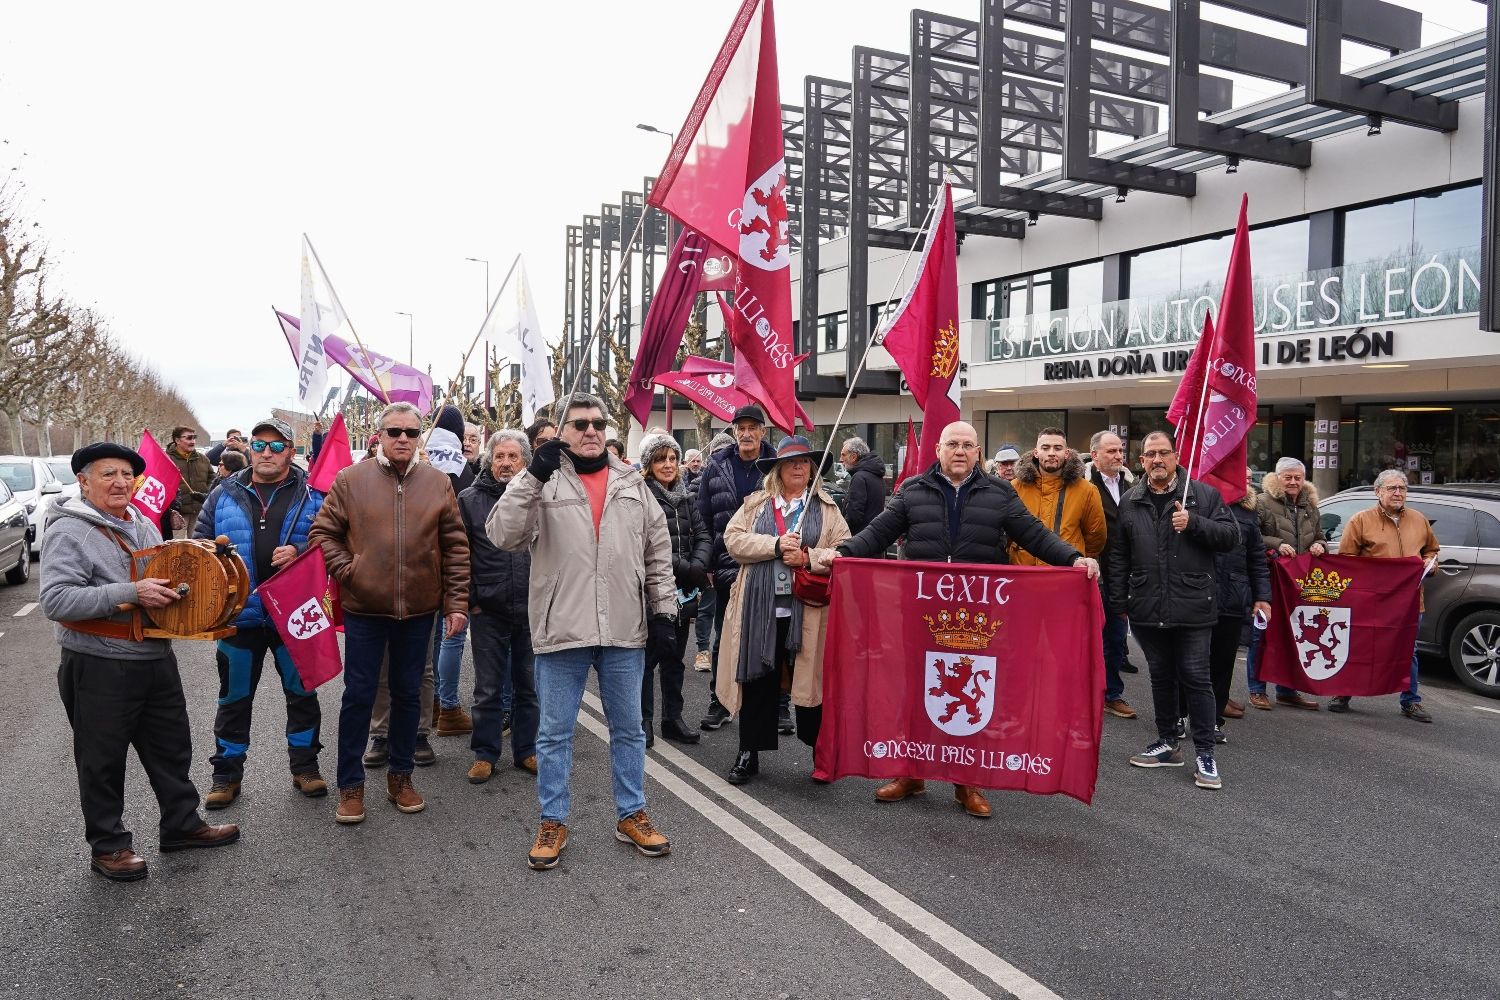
point(1157, 454)
point(582, 424)
point(960, 446)
point(411, 432)
point(277, 447)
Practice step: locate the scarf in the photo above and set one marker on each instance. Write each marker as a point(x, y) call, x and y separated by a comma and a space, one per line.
point(674, 494)
point(587, 465)
point(758, 611)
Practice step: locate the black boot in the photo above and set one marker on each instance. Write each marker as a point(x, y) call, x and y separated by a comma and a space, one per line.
point(650, 735)
point(746, 765)
point(716, 717)
point(674, 730)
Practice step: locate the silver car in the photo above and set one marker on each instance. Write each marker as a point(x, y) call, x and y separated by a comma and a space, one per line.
point(1462, 622)
point(33, 483)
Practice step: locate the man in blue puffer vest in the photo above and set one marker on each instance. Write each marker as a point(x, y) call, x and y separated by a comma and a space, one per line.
point(266, 511)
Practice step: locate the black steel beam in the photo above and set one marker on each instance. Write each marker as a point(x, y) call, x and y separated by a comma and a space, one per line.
point(877, 187)
point(825, 207)
point(1187, 131)
point(609, 238)
point(1489, 227)
point(792, 139)
point(1374, 22)
point(570, 295)
point(578, 357)
point(1329, 87)
point(1078, 164)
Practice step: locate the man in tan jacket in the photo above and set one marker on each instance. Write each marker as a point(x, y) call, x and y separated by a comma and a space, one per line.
point(601, 588)
point(1051, 484)
point(393, 538)
point(1390, 530)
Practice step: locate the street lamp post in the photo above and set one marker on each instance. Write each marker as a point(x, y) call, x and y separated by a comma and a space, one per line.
point(481, 260)
point(410, 337)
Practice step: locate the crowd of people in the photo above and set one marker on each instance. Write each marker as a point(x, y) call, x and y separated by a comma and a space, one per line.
point(549, 555)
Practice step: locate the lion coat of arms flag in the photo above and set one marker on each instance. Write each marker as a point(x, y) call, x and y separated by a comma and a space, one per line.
point(156, 488)
point(303, 601)
point(981, 675)
point(1342, 625)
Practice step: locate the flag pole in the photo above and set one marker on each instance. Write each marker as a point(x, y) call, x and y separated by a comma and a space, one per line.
point(870, 342)
point(609, 296)
point(464, 364)
point(1197, 436)
point(364, 357)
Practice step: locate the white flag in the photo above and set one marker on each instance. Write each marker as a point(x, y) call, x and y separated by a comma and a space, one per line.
point(524, 341)
point(321, 318)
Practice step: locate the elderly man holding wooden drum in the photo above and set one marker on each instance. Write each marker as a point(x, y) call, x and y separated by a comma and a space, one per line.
point(119, 687)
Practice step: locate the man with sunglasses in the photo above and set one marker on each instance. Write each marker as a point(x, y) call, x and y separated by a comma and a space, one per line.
point(267, 511)
point(393, 538)
point(197, 476)
point(602, 588)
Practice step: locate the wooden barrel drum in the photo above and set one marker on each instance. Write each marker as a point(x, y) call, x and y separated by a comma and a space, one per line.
point(211, 578)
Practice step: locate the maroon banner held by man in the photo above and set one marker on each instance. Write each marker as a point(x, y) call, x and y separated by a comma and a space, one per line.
point(1344, 626)
point(979, 675)
point(303, 602)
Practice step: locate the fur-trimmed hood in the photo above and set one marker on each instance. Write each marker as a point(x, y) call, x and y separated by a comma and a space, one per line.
point(1272, 485)
point(1028, 472)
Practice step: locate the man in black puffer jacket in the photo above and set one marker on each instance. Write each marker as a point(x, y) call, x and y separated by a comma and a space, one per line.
point(953, 512)
point(499, 585)
point(728, 478)
point(1162, 572)
point(867, 490)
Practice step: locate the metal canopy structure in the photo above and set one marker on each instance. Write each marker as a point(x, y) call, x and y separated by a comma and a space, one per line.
point(1330, 87)
point(824, 202)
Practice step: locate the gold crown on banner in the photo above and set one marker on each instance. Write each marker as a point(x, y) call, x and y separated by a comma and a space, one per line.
point(1318, 587)
point(945, 351)
point(962, 630)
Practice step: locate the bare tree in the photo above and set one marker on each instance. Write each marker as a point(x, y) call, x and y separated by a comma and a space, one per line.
point(30, 321)
point(611, 387)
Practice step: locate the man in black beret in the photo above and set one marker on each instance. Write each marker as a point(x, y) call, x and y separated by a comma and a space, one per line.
point(118, 690)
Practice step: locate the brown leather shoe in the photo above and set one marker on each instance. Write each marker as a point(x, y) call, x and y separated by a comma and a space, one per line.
point(637, 829)
point(1233, 710)
point(548, 847)
point(351, 805)
point(1119, 708)
point(973, 801)
point(454, 722)
point(221, 794)
point(311, 784)
point(528, 765)
point(895, 791)
point(1261, 702)
point(1298, 700)
point(120, 866)
point(399, 790)
point(480, 771)
point(206, 835)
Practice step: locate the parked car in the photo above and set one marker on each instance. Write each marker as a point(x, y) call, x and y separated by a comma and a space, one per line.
point(15, 537)
point(33, 483)
point(1462, 622)
point(62, 468)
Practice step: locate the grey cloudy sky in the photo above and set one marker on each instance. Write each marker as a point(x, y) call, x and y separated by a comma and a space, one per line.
point(174, 153)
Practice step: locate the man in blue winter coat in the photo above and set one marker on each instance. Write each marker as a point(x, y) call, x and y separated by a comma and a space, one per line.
point(266, 511)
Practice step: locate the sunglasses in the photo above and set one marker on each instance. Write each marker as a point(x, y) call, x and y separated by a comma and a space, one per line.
point(277, 447)
point(598, 424)
point(411, 432)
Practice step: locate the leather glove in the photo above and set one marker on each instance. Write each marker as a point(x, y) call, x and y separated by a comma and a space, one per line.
point(546, 459)
point(699, 576)
point(661, 641)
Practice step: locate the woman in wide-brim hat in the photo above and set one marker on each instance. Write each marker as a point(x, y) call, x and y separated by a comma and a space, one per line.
point(773, 642)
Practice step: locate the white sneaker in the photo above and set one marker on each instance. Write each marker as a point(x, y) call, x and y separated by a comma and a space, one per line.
point(703, 663)
point(1207, 773)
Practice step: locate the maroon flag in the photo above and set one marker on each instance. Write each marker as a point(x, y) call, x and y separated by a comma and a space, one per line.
point(923, 333)
point(303, 602)
point(1343, 625)
point(912, 466)
point(1183, 413)
point(666, 320)
point(335, 457)
point(979, 675)
point(156, 488)
point(710, 385)
point(726, 178)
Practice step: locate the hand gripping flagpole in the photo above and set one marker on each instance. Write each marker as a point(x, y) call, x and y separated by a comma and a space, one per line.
point(609, 296)
point(464, 364)
point(870, 343)
point(364, 356)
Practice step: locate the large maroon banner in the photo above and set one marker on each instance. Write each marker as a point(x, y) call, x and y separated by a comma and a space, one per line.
point(1342, 625)
point(980, 675)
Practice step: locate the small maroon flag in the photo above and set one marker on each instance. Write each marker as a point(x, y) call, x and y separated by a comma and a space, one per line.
point(1342, 625)
point(980, 675)
point(912, 466)
point(334, 457)
point(666, 320)
point(156, 488)
point(302, 600)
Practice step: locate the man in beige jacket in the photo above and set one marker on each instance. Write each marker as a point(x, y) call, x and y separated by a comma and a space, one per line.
point(601, 588)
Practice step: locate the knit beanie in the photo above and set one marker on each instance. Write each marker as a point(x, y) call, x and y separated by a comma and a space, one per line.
point(655, 446)
point(449, 419)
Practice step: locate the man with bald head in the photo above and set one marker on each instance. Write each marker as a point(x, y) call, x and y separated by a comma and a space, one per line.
point(954, 512)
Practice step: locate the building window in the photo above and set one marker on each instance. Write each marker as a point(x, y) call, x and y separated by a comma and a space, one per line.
point(1432, 443)
point(1179, 271)
point(835, 327)
point(1005, 298)
point(1426, 224)
point(1086, 285)
point(1019, 428)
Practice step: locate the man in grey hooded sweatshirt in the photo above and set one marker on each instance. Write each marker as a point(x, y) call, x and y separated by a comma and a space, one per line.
point(119, 691)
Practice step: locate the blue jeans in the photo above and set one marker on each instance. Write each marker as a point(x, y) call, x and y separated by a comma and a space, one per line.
point(448, 663)
point(366, 641)
point(1252, 665)
point(502, 653)
point(1412, 695)
point(560, 679)
point(1115, 653)
point(703, 626)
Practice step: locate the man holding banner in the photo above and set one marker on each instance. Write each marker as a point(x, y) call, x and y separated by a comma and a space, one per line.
point(955, 513)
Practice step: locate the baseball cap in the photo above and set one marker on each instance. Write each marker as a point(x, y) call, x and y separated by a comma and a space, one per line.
point(1007, 453)
point(279, 426)
point(749, 412)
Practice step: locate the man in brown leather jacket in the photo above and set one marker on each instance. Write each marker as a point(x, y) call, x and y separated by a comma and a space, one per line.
point(393, 538)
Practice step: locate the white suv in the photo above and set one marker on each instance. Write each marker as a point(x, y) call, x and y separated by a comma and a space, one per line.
point(33, 483)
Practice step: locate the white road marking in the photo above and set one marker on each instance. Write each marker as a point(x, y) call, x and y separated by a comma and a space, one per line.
point(927, 968)
point(1480, 707)
point(992, 966)
point(26, 609)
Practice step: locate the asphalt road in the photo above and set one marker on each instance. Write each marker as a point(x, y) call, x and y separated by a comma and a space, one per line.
point(1346, 857)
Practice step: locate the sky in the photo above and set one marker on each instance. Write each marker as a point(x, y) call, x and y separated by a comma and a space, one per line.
point(175, 153)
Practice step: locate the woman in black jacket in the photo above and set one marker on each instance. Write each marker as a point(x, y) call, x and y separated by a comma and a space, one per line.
point(692, 547)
